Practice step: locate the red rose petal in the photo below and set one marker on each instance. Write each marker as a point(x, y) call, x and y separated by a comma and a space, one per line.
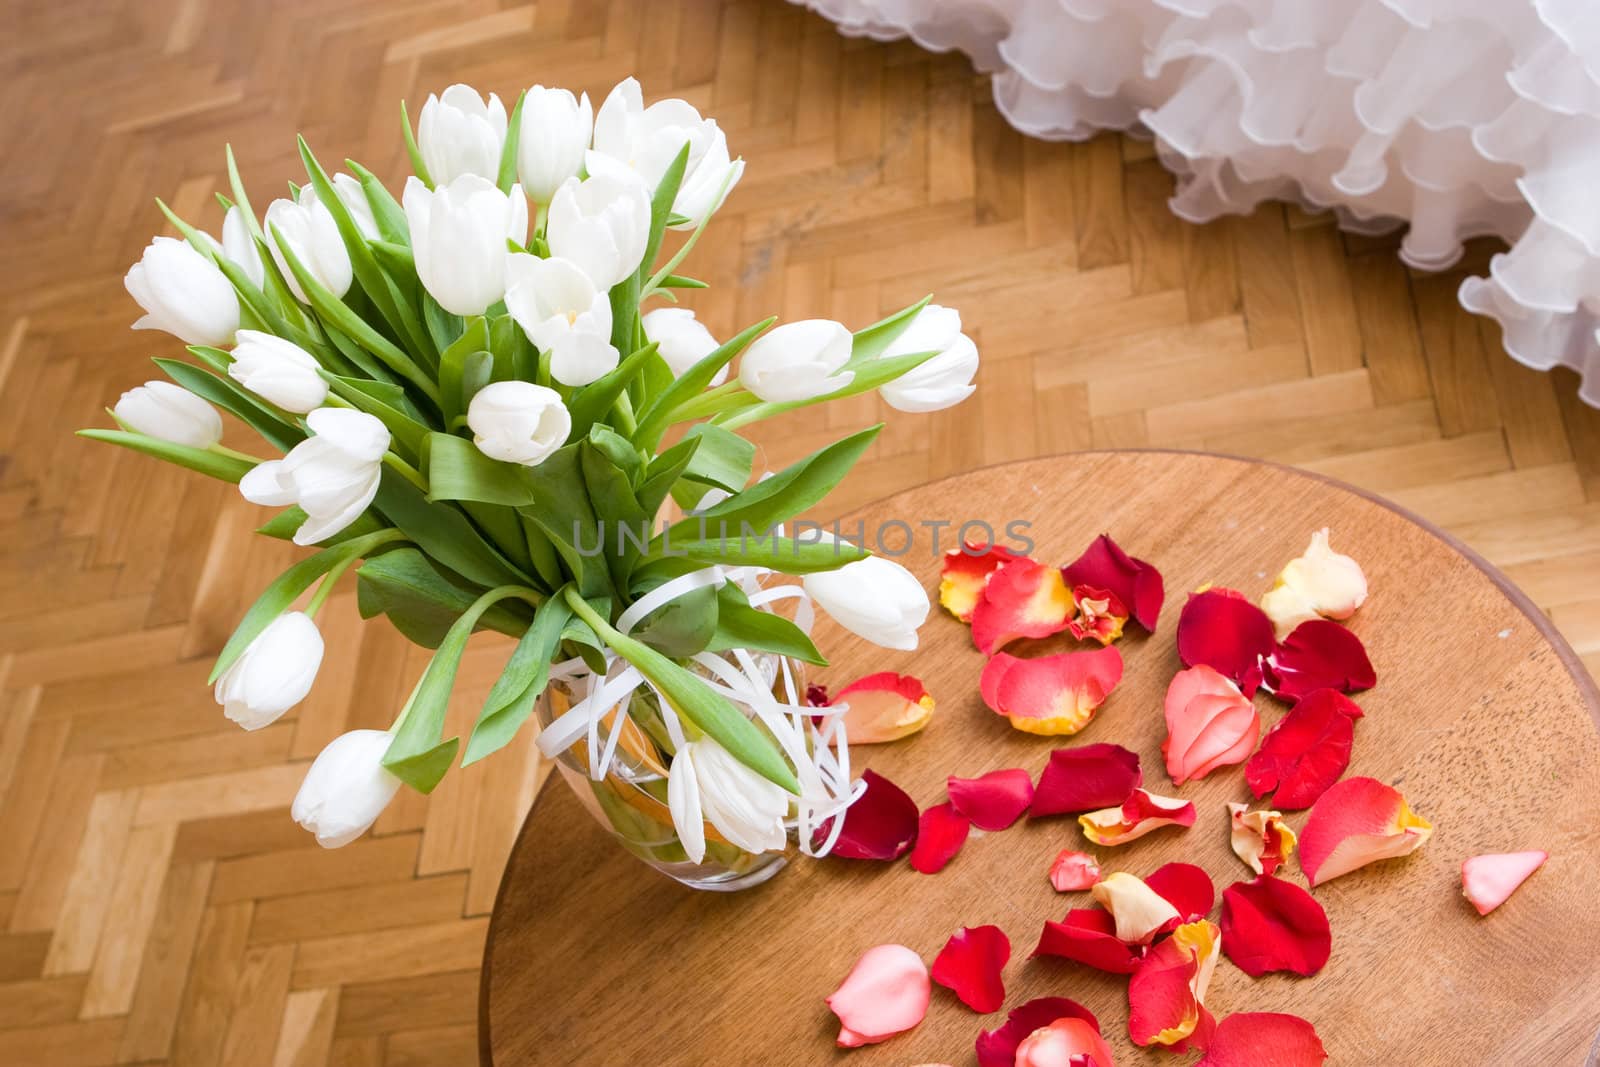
point(940, 834)
point(1089, 936)
point(1084, 779)
point(1022, 599)
point(969, 965)
point(1306, 751)
point(1141, 813)
point(1133, 581)
point(1186, 887)
point(965, 571)
point(993, 801)
point(1100, 615)
point(1166, 995)
point(1050, 695)
point(1264, 1039)
point(1356, 822)
point(1222, 630)
point(998, 1048)
point(884, 707)
point(1073, 870)
point(1320, 654)
point(880, 825)
point(1272, 925)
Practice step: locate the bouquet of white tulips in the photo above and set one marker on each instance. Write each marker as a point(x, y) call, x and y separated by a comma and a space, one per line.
point(477, 414)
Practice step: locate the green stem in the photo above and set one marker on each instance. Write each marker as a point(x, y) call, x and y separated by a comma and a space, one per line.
point(363, 546)
point(223, 450)
point(410, 473)
point(682, 253)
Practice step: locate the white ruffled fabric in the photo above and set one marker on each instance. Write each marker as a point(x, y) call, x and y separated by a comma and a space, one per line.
point(1462, 118)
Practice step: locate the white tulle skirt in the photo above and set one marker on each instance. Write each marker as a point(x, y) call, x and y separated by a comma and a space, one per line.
point(1462, 118)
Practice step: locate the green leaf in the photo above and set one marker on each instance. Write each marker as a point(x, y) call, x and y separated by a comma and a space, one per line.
point(508, 153)
point(422, 601)
point(444, 327)
point(452, 367)
point(386, 210)
point(590, 404)
point(741, 626)
point(678, 281)
point(723, 460)
point(662, 411)
point(283, 525)
point(661, 207)
point(223, 467)
point(623, 526)
point(233, 398)
point(419, 168)
point(582, 639)
point(240, 197)
point(682, 626)
point(456, 470)
point(785, 554)
point(519, 686)
point(867, 377)
point(663, 473)
point(871, 342)
point(443, 533)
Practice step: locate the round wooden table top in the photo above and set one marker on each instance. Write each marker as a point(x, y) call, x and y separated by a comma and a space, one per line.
point(1481, 715)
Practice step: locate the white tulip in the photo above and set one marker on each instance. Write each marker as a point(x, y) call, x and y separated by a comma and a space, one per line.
point(459, 133)
point(602, 225)
point(645, 140)
point(518, 422)
point(354, 199)
point(458, 239)
point(312, 235)
point(563, 313)
point(279, 371)
point(274, 673)
point(346, 788)
point(171, 413)
point(706, 783)
point(875, 598)
point(239, 246)
point(183, 292)
point(798, 361)
point(941, 382)
point(681, 339)
point(555, 132)
point(332, 475)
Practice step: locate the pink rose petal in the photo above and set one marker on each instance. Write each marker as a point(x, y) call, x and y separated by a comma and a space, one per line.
point(886, 993)
point(998, 1048)
point(1073, 870)
point(1488, 881)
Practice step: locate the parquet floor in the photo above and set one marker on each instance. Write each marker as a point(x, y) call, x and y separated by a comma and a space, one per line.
point(156, 903)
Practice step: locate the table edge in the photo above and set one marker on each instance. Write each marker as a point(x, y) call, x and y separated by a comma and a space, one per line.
point(1564, 651)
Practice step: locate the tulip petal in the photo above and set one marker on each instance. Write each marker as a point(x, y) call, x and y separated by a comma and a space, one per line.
point(1100, 615)
point(965, 571)
point(1073, 870)
point(886, 993)
point(1023, 598)
point(1272, 925)
point(993, 801)
point(1051, 694)
point(1141, 914)
point(1166, 995)
point(880, 825)
point(969, 965)
point(1064, 1043)
point(940, 834)
point(1263, 1039)
point(1085, 778)
point(1186, 887)
point(998, 1048)
point(1141, 813)
point(1089, 936)
point(1136, 583)
point(1356, 822)
point(1261, 838)
point(1306, 751)
point(1319, 654)
point(884, 707)
point(1487, 881)
point(1219, 628)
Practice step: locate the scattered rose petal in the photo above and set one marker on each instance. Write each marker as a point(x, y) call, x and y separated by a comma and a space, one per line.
point(1287, 607)
point(969, 966)
point(941, 832)
point(880, 825)
point(1023, 599)
point(885, 993)
point(1141, 914)
point(1051, 694)
point(965, 571)
point(1219, 628)
point(1186, 887)
point(1100, 615)
point(1089, 936)
point(1272, 925)
point(1318, 582)
point(1306, 751)
point(1263, 1039)
point(884, 707)
point(1136, 583)
point(817, 696)
point(993, 801)
point(1142, 812)
point(1488, 880)
point(1210, 724)
point(1073, 870)
point(1166, 995)
point(1319, 654)
point(1356, 822)
point(998, 1048)
point(1261, 838)
point(1084, 779)
point(1064, 1043)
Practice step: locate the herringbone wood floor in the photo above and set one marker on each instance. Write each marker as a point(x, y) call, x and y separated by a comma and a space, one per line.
point(156, 903)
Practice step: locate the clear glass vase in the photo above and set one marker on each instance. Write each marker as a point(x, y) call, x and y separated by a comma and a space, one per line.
point(630, 800)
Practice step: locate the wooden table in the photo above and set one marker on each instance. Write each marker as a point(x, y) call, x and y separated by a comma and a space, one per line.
point(1482, 715)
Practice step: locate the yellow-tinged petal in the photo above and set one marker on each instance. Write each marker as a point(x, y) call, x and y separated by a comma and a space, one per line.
point(1140, 912)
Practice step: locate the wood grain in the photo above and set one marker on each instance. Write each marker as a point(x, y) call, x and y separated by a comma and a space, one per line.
point(1482, 716)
